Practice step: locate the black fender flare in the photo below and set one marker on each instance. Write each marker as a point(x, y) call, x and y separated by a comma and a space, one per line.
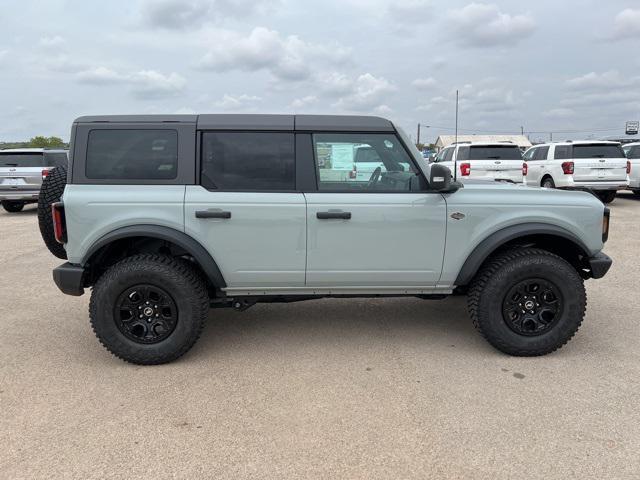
point(181, 239)
point(494, 241)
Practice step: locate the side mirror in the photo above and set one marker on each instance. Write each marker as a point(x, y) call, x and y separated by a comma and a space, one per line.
point(440, 179)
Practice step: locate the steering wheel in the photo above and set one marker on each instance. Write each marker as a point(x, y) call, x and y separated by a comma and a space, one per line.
point(375, 176)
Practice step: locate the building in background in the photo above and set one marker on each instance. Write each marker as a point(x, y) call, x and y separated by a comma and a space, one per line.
point(520, 140)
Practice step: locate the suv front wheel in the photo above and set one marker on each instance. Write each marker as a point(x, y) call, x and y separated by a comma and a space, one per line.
point(527, 302)
point(149, 309)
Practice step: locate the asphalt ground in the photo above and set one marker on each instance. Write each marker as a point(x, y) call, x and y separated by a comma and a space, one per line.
point(334, 388)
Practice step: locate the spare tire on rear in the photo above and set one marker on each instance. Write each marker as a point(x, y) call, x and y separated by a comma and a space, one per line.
point(51, 192)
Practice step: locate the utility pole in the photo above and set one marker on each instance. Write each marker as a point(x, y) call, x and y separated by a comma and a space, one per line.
point(418, 136)
point(456, 116)
point(521, 130)
point(551, 136)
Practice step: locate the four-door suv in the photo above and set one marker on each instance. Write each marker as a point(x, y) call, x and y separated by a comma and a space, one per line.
point(599, 166)
point(632, 151)
point(483, 161)
point(167, 216)
point(21, 174)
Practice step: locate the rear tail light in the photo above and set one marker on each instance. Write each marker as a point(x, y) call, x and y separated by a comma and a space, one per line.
point(353, 173)
point(605, 224)
point(567, 168)
point(465, 169)
point(59, 222)
point(628, 167)
point(525, 169)
point(45, 173)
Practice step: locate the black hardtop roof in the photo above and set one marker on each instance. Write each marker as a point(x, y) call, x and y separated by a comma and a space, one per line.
point(230, 121)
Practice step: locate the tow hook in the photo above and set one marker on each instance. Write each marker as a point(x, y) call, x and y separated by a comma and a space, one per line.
point(241, 304)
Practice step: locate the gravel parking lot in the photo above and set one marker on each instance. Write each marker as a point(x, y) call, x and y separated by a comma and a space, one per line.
point(389, 388)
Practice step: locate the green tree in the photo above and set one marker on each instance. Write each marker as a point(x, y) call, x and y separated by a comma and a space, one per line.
point(46, 142)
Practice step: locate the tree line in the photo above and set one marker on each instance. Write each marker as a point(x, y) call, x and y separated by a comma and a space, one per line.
point(37, 142)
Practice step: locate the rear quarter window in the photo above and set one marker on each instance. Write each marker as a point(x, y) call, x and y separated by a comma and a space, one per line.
point(598, 151)
point(134, 154)
point(508, 152)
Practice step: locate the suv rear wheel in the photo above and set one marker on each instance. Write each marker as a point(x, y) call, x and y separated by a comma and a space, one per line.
point(12, 207)
point(607, 196)
point(548, 182)
point(149, 309)
point(527, 302)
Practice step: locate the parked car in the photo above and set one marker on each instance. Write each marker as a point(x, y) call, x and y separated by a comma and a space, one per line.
point(632, 151)
point(21, 174)
point(600, 166)
point(166, 216)
point(483, 161)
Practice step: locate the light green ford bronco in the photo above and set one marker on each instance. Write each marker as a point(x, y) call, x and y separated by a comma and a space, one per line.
point(168, 216)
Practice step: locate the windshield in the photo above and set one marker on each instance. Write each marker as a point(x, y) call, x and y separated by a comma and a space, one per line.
point(492, 152)
point(597, 151)
point(21, 160)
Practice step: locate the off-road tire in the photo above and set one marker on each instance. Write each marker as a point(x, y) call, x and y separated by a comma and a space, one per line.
point(607, 197)
point(51, 192)
point(548, 182)
point(12, 207)
point(188, 291)
point(499, 274)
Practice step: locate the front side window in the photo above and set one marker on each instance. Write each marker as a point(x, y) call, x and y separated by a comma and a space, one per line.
point(541, 153)
point(529, 154)
point(248, 161)
point(341, 165)
point(132, 154)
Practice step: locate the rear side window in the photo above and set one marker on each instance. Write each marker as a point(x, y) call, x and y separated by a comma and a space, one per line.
point(21, 160)
point(633, 152)
point(248, 161)
point(507, 152)
point(132, 154)
point(56, 159)
point(598, 151)
point(562, 152)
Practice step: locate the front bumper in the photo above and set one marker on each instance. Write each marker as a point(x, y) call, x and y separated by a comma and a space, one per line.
point(599, 265)
point(69, 278)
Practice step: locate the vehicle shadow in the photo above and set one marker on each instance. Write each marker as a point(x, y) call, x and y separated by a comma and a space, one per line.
point(333, 321)
point(26, 211)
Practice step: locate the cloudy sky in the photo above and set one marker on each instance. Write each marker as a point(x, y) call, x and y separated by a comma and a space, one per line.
point(571, 67)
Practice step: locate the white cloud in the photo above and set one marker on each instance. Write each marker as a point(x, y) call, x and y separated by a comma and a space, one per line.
point(190, 14)
point(482, 25)
point(626, 25)
point(100, 76)
point(605, 80)
point(410, 11)
point(286, 58)
point(304, 101)
point(424, 83)
point(51, 42)
point(561, 112)
point(152, 84)
point(144, 84)
point(237, 102)
point(366, 93)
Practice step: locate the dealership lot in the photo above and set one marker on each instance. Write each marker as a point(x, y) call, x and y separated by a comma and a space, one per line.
point(387, 388)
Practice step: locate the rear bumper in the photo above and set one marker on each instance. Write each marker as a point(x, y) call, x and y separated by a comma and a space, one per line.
point(599, 264)
point(69, 278)
point(617, 185)
point(18, 195)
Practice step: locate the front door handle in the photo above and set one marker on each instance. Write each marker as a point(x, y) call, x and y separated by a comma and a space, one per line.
point(331, 215)
point(212, 214)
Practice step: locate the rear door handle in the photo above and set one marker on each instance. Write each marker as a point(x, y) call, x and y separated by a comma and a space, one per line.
point(330, 215)
point(212, 214)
